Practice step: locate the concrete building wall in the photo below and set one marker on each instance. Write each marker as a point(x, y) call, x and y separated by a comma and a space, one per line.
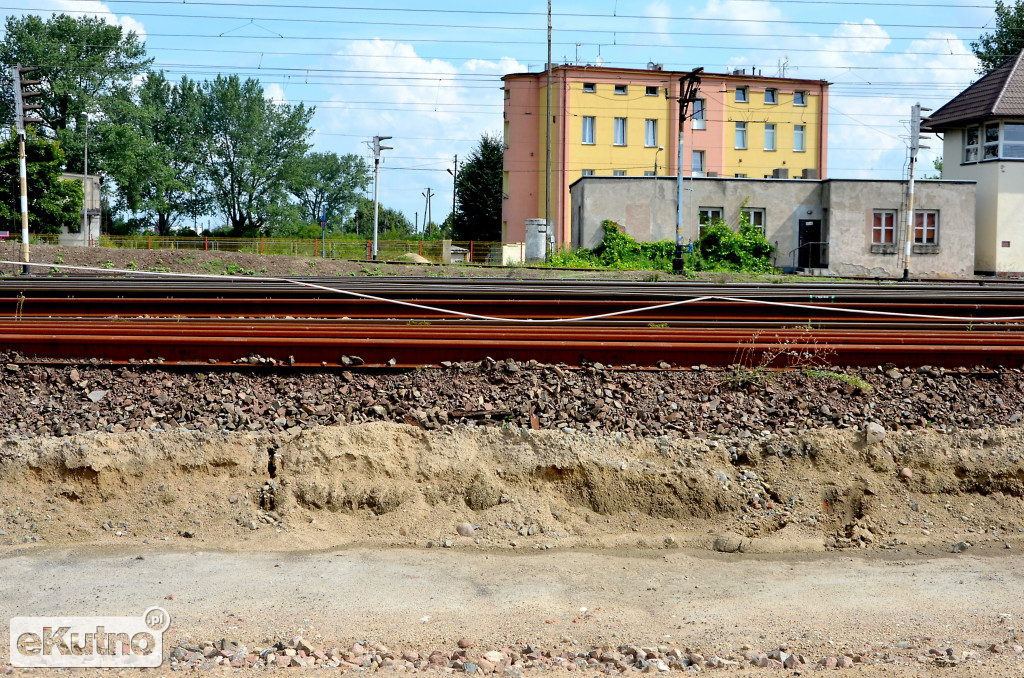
point(646, 209)
point(88, 232)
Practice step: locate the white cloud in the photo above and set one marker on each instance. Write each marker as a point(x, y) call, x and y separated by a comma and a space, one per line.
point(275, 93)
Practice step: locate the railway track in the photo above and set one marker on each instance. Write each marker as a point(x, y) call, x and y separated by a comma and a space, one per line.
point(404, 322)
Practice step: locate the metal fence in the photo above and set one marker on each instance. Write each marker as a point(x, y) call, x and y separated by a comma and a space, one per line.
point(470, 251)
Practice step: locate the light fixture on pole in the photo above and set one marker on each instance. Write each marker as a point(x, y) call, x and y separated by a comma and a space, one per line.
point(660, 149)
point(377, 148)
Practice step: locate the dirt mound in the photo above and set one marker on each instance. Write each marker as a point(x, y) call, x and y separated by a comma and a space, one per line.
point(389, 484)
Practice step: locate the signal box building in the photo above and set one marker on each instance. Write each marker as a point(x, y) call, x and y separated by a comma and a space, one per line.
point(625, 122)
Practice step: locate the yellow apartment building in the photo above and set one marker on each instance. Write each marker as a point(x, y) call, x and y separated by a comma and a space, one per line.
point(625, 122)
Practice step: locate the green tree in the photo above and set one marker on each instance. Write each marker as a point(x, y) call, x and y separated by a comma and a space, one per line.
point(249, 145)
point(478, 192)
point(390, 221)
point(325, 180)
point(53, 203)
point(82, 62)
point(151, 147)
point(1005, 41)
point(937, 164)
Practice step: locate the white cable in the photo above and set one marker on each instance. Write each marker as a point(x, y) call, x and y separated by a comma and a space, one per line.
point(474, 316)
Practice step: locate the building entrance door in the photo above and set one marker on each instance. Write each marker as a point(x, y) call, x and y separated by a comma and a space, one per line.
point(813, 252)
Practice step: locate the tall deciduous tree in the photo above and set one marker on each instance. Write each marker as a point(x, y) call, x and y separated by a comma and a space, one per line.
point(248, 142)
point(151, 148)
point(82, 61)
point(325, 180)
point(52, 202)
point(1006, 40)
point(478, 193)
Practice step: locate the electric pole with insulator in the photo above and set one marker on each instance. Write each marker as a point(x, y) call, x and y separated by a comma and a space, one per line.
point(689, 86)
point(21, 119)
point(377, 148)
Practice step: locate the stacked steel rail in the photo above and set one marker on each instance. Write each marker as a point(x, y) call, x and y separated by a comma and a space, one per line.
point(425, 321)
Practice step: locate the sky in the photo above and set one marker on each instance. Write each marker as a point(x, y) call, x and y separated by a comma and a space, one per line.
point(427, 73)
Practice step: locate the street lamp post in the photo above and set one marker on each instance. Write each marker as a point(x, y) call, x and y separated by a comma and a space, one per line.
point(660, 149)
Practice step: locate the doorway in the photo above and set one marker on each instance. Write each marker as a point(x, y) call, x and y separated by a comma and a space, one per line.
point(813, 252)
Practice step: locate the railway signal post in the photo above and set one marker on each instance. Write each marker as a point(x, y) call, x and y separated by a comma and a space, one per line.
point(21, 119)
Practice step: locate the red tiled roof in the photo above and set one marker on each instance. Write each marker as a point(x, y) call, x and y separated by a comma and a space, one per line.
point(998, 94)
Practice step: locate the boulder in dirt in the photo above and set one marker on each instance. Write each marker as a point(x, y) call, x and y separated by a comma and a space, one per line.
point(729, 543)
point(874, 433)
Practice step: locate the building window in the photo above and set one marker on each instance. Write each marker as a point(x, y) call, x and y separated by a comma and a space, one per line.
point(697, 167)
point(771, 96)
point(651, 91)
point(1013, 140)
point(620, 131)
point(651, 133)
point(706, 216)
point(589, 87)
point(588, 129)
point(742, 95)
point(588, 172)
point(926, 227)
point(740, 175)
point(799, 98)
point(618, 173)
point(769, 136)
point(621, 89)
point(755, 217)
point(799, 138)
point(698, 114)
point(741, 135)
point(649, 173)
point(883, 229)
point(971, 144)
point(991, 141)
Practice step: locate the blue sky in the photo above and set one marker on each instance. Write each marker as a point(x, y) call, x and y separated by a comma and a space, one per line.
point(427, 73)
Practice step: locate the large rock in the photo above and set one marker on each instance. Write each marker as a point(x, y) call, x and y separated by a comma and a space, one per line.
point(729, 543)
point(874, 433)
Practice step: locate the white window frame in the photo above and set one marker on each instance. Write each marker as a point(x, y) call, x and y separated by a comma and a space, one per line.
point(705, 215)
point(649, 173)
point(618, 173)
point(990, 146)
point(800, 138)
point(622, 89)
point(621, 132)
point(771, 96)
point(651, 133)
point(742, 95)
point(589, 127)
point(741, 136)
point(587, 173)
point(883, 224)
point(972, 151)
point(800, 98)
point(590, 87)
point(755, 217)
point(926, 227)
point(699, 115)
point(1017, 144)
point(770, 134)
point(697, 168)
point(651, 91)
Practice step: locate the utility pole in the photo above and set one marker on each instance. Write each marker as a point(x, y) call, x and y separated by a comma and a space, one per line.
point(428, 194)
point(20, 107)
point(915, 144)
point(323, 233)
point(689, 85)
point(455, 185)
point(377, 148)
point(547, 131)
point(85, 184)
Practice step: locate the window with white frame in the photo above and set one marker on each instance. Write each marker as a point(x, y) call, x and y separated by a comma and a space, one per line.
point(651, 133)
point(588, 129)
point(589, 87)
point(651, 91)
point(769, 136)
point(799, 98)
point(620, 132)
point(740, 175)
point(621, 89)
point(742, 95)
point(771, 96)
point(618, 173)
point(741, 135)
point(926, 227)
point(971, 136)
point(991, 147)
point(649, 173)
point(799, 138)
point(883, 228)
point(697, 166)
point(588, 172)
point(755, 217)
point(1013, 140)
point(706, 215)
point(698, 114)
